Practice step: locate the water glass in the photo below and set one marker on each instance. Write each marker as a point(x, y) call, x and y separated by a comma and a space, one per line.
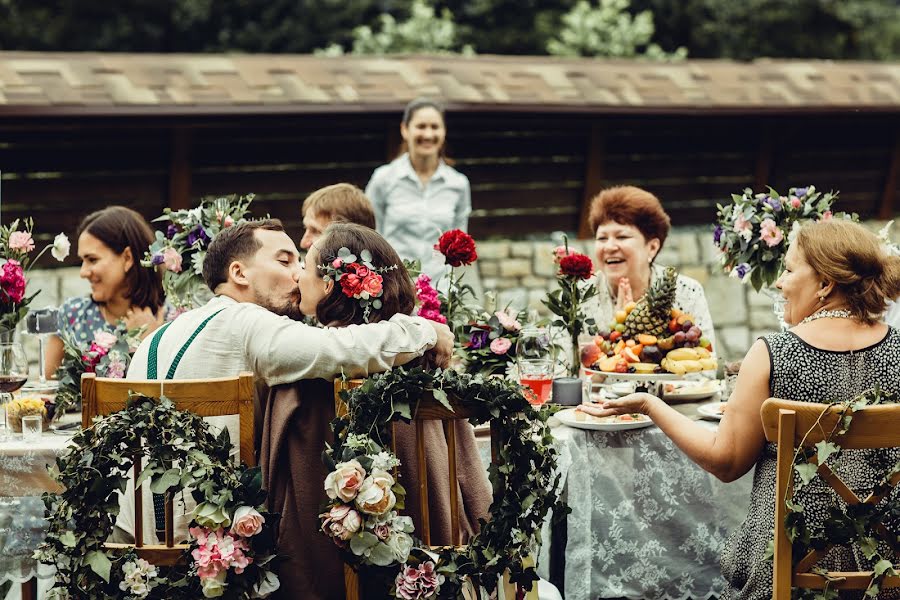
point(42, 322)
point(32, 427)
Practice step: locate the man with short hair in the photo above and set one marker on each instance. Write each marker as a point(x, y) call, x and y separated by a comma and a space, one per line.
point(252, 325)
point(341, 202)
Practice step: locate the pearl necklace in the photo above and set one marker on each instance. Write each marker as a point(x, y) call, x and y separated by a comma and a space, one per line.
point(828, 314)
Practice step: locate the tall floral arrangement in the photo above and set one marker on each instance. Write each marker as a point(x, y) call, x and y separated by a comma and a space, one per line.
point(753, 232)
point(573, 276)
point(458, 248)
point(491, 345)
point(16, 247)
point(182, 247)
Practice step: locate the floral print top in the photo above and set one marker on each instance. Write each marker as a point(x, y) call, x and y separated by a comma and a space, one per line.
point(80, 318)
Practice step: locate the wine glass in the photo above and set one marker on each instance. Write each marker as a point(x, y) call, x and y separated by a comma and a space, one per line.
point(534, 359)
point(13, 372)
point(42, 322)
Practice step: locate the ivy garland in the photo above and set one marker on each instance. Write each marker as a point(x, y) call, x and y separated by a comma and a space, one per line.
point(525, 480)
point(178, 451)
point(862, 524)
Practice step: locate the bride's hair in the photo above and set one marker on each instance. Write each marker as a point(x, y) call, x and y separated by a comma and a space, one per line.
point(398, 296)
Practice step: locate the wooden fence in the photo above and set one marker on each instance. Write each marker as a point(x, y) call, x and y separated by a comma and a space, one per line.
point(530, 173)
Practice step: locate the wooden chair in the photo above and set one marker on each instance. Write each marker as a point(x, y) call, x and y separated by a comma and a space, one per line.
point(221, 396)
point(430, 409)
point(787, 423)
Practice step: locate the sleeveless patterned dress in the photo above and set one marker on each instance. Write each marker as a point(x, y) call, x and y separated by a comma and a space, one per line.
point(803, 372)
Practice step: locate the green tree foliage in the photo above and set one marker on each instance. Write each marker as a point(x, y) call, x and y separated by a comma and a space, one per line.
point(836, 29)
point(608, 30)
point(423, 31)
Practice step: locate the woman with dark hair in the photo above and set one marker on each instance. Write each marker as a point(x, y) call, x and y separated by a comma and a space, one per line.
point(419, 195)
point(111, 243)
point(630, 228)
point(297, 417)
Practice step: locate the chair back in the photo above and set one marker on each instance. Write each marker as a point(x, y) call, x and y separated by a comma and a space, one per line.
point(792, 425)
point(430, 409)
point(222, 396)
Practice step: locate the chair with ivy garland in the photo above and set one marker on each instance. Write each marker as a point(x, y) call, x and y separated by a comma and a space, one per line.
point(429, 409)
point(222, 396)
point(792, 425)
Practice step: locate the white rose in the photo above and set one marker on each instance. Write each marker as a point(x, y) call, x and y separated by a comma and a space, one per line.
point(345, 481)
point(375, 496)
point(400, 545)
point(264, 587)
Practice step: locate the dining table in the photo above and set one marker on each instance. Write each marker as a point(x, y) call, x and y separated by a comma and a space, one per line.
point(645, 521)
point(24, 477)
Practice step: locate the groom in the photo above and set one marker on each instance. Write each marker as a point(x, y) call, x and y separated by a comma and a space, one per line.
point(252, 324)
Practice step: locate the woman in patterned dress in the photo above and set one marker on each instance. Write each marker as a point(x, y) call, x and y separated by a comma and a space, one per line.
point(630, 228)
point(836, 283)
point(111, 243)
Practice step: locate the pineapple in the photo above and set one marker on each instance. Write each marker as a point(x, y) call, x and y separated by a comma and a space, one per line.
point(651, 313)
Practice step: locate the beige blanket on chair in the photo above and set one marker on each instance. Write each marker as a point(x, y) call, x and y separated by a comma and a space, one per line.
point(296, 426)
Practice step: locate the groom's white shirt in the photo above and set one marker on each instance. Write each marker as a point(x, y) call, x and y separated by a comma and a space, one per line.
point(248, 337)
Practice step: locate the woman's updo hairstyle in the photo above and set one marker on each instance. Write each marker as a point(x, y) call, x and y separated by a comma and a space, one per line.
point(398, 295)
point(852, 257)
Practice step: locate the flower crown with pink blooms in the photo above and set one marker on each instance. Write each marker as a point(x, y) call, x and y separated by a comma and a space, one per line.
point(358, 278)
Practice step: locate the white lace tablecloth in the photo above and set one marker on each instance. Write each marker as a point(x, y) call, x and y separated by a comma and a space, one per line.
point(23, 478)
point(646, 522)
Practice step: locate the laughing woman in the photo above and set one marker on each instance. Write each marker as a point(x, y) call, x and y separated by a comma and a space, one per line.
point(630, 228)
point(419, 195)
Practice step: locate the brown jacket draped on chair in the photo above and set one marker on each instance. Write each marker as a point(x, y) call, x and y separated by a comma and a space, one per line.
point(296, 427)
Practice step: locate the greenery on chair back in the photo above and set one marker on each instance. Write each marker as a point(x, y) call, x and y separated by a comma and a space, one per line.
point(862, 524)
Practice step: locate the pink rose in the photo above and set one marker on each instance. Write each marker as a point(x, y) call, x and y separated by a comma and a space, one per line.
point(382, 531)
point(375, 494)
point(362, 271)
point(21, 240)
point(372, 284)
point(104, 339)
point(341, 522)
point(508, 321)
point(247, 522)
point(344, 482)
point(795, 202)
point(227, 222)
point(337, 263)
point(770, 233)
point(827, 215)
point(500, 345)
point(172, 260)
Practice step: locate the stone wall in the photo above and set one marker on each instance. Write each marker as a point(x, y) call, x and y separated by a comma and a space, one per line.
point(522, 272)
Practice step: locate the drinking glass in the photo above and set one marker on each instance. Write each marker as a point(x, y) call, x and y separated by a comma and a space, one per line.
point(534, 359)
point(32, 427)
point(13, 370)
point(42, 322)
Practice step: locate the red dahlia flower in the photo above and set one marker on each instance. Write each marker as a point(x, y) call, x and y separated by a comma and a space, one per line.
point(458, 247)
point(576, 265)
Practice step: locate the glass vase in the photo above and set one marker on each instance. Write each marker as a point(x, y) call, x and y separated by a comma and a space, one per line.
point(775, 295)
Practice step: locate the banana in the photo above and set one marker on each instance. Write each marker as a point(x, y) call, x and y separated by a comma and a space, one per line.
point(691, 366)
point(673, 366)
point(702, 352)
point(709, 364)
point(643, 367)
point(679, 354)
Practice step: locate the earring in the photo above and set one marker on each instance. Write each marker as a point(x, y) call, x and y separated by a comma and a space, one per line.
point(821, 298)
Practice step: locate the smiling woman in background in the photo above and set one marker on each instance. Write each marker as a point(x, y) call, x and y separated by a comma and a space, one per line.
point(419, 195)
point(111, 243)
point(630, 228)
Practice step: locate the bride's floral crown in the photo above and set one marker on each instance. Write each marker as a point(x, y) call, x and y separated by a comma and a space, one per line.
point(358, 278)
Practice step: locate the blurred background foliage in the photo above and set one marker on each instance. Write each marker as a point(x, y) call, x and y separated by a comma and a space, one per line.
point(653, 29)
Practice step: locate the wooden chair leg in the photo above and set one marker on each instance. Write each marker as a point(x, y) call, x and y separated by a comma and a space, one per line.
point(29, 589)
point(351, 583)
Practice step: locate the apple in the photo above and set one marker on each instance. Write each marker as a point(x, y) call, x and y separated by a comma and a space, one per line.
point(590, 354)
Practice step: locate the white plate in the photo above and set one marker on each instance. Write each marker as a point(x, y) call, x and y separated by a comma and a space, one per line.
point(692, 390)
point(665, 376)
point(622, 388)
point(579, 420)
point(711, 410)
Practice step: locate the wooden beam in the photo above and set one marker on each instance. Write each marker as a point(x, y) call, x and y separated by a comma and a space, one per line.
point(762, 174)
point(891, 181)
point(180, 169)
point(593, 177)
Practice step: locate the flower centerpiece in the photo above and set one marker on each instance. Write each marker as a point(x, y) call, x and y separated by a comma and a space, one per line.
point(573, 276)
point(108, 355)
point(458, 248)
point(230, 549)
point(182, 247)
point(491, 347)
point(16, 246)
point(753, 232)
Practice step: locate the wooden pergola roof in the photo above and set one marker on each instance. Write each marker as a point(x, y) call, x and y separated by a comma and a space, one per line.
point(84, 84)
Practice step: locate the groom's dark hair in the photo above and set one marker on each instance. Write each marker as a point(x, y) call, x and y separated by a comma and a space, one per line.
point(237, 242)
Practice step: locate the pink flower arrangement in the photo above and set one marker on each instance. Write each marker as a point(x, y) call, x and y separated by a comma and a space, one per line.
point(500, 345)
point(218, 551)
point(429, 303)
point(418, 583)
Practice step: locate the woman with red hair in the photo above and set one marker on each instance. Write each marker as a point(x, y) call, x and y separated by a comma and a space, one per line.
point(630, 227)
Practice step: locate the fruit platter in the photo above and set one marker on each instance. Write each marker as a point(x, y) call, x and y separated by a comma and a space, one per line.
point(650, 339)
